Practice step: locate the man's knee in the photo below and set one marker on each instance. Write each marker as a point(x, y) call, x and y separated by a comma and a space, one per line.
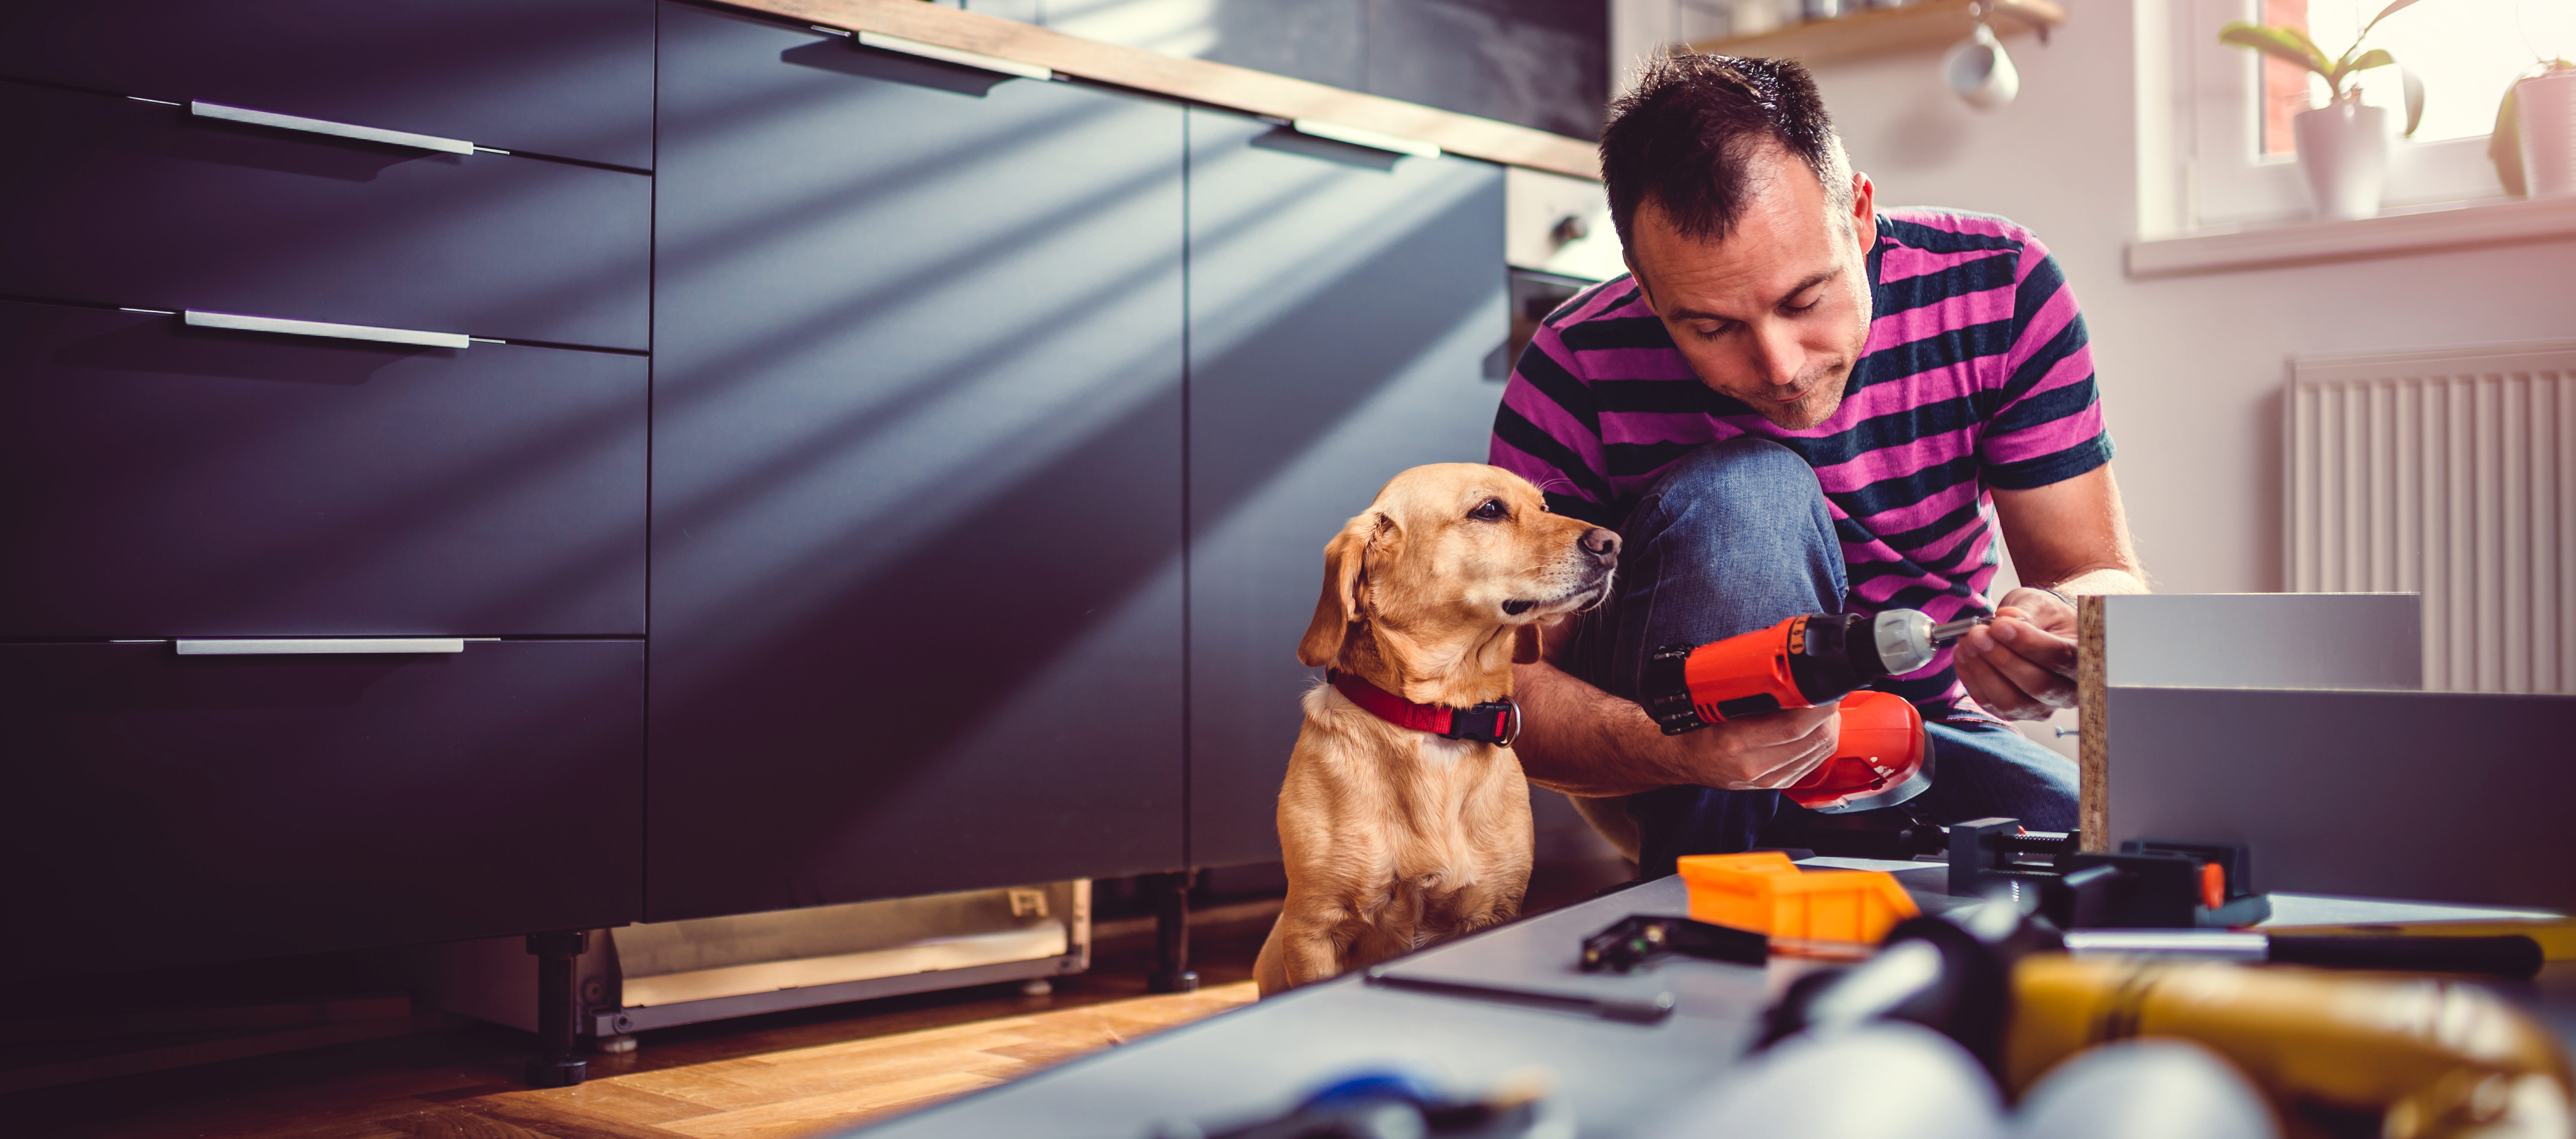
point(1744, 478)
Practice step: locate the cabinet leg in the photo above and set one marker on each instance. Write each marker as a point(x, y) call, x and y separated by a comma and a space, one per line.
point(1172, 935)
point(556, 1065)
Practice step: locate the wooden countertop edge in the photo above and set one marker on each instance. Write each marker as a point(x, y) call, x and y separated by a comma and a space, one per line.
point(1194, 80)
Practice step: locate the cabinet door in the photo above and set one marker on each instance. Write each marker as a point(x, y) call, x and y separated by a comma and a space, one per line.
point(1345, 311)
point(569, 78)
point(169, 808)
point(120, 202)
point(916, 476)
point(164, 481)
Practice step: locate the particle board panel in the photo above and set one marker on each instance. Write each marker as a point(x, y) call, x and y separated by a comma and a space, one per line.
point(2454, 797)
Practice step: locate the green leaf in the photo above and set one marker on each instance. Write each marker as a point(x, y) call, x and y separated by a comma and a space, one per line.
point(2384, 13)
point(2375, 57)
point(2414, 100)
point(2280, 43)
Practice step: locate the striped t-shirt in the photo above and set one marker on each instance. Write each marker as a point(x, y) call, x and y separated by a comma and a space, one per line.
point(1976, 374)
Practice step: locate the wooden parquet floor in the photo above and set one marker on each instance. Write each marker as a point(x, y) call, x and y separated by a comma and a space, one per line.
point(781, 1076)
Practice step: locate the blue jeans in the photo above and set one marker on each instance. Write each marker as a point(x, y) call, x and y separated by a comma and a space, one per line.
point(1736, 537)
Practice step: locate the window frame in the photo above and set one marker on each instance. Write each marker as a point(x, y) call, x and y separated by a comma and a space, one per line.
point(2230, 182)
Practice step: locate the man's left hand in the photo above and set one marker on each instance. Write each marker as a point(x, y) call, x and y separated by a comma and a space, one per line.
point(2021, 667)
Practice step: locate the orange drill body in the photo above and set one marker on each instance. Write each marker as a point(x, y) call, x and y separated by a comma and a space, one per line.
point(1882, 756)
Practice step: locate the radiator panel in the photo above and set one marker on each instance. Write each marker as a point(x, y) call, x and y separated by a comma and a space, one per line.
point(2450, 474)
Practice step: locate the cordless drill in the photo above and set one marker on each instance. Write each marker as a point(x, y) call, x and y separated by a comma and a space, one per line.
point(1881, 759)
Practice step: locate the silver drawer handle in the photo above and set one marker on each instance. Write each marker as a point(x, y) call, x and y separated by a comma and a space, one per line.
point(974, 59)
point(320, 645)
point(240, 323)
point(1374, 140)
point(326, 126)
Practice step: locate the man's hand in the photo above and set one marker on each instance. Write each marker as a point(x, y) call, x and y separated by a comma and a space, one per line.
point(2021, 667)
point(1765, 753)
point(1583, 741)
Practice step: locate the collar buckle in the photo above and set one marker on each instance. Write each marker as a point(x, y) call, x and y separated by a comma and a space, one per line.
point(1497, 722)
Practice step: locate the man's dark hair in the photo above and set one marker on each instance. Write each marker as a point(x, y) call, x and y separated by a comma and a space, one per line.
point(1685, 136)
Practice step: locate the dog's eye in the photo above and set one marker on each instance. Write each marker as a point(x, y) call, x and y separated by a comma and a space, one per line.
point(1491, 510)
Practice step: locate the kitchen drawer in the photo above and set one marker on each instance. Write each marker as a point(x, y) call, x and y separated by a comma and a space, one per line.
point(121, 202)
point(158, 480)
point(571, 78)
point(176, 808)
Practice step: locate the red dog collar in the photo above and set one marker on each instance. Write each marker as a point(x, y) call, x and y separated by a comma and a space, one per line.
point(1496, 723)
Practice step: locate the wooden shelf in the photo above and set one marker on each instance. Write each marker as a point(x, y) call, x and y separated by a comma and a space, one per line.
point(1879, 31)
point(1196, 80)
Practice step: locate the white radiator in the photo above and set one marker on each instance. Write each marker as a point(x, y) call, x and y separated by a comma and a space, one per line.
point(2451, 474)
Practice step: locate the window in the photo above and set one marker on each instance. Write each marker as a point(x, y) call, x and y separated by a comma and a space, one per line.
point(2467, 52)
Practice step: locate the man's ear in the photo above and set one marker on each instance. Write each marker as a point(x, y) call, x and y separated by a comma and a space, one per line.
point(1639, 276)
point(1525, 645)
point(1864, 212)
point(1345, 565)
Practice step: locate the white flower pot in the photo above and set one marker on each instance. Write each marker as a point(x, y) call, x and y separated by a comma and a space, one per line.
point(2545, 107)
point(2343, 151)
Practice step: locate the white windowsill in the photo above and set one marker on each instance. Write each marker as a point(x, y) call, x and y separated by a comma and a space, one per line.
point(2408, 229)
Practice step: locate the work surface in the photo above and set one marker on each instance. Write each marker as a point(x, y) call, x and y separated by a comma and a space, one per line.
point(1613, 1077)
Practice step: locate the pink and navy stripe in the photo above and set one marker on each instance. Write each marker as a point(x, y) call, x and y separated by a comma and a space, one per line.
point(1977, 374)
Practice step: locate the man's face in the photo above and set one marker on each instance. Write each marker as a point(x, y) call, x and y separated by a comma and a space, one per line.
point(1775, 313)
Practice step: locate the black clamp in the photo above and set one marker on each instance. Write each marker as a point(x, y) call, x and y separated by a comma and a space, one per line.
point(2147, 885)
point(1639, 938)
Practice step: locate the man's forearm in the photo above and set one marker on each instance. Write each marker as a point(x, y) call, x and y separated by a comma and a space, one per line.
point(2105, 580)
point(1580, 740)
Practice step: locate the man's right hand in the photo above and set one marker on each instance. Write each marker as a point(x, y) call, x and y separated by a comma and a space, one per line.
point(1583, 741)
point(1764, 753)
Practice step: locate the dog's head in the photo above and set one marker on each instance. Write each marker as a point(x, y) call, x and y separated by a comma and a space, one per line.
point(1449, 557)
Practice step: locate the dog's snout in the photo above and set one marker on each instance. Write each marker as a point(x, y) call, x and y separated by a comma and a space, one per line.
point(1601, 544)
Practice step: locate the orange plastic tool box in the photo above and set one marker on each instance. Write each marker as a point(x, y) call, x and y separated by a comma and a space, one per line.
point(1766, 893)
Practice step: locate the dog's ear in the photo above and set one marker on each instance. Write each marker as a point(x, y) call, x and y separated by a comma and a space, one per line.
point(1525, 645)
point(1345, 561)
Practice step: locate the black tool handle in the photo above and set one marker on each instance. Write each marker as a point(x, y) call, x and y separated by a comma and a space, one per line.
point(2508, 955)
point(1607, 1008)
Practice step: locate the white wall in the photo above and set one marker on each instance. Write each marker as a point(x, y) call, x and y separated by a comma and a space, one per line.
point(2191, 367)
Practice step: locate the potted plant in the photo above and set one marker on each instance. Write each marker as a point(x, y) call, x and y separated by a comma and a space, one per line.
point(2505, 147)
point(2343, 146)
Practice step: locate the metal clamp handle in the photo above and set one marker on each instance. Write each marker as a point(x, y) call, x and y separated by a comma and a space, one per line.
point(1356, 136)
point(241, 323)
point(319, 646)
point(326, 126)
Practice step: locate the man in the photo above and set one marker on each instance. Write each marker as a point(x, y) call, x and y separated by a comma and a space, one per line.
point(1797, 403)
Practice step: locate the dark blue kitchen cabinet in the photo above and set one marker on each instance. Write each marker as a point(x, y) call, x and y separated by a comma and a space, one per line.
point(1346, 314)
point(565, 78)
point(167, 808)
point(120, 202)
point(917, 475)
point(158, 480)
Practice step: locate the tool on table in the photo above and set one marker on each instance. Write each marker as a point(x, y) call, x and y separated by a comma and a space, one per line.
point(1816, 912)
point(2149, 884)
point(1639, 938)
point(2556, 936)
point(2337, 1054)
point(1391, 1103)
point(1883, 757)
point(1607, 1008)
point(2509, 955)
point(2334, 1053)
